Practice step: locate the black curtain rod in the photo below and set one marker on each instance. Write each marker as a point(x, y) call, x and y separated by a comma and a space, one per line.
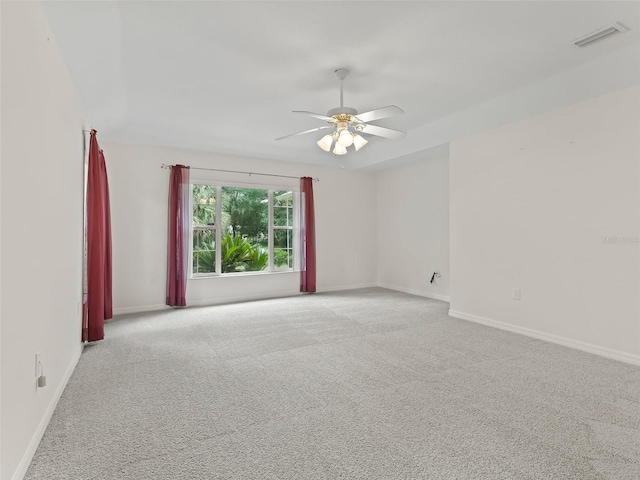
point(238, 171)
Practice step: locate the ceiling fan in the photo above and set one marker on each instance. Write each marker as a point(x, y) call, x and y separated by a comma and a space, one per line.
point(348, 124)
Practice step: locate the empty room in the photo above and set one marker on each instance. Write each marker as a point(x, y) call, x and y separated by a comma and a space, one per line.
point(319, 240)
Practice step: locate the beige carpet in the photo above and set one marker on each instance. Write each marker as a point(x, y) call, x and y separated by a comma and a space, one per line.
point(363, 384)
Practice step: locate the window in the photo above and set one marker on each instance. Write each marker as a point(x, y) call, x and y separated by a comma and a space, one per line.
point(204, 228)
point(239, 230)
point(282, 230)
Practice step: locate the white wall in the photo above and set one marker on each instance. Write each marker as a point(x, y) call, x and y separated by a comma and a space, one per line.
point(345, 225)
point(41, 190)
point(530, 203)
point(413, 228)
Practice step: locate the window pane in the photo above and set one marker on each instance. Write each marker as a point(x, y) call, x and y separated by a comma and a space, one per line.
point(245, 214)
point(204, 205)
point(282, 258)
point(282, 249)
point(282, 216)
point(204, 261)
point(282, 238)
point(203, 239)
point(283, 208)
point(282, 198)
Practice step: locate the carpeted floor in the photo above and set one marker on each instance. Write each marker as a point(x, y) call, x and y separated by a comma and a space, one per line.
point(363, 384)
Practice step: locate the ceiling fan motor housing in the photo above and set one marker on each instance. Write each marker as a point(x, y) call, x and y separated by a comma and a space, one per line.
point(342, 111)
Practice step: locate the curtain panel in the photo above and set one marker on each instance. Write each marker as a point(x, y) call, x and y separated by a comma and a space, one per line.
point(308, 236)
point(99, 304)
point(178, 236)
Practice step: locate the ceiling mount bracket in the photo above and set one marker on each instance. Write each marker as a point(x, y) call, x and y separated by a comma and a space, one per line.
point(341, 73)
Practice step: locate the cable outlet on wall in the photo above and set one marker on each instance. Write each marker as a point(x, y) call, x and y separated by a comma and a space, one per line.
point(41, 380)
point(516, 294)
point(153, 280)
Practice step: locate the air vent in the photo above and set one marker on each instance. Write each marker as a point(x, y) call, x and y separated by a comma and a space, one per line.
point(600, 35)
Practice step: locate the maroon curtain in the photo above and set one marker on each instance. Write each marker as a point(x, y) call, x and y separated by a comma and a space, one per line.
point(178, 236)
point(308, 267)
point(98, 307)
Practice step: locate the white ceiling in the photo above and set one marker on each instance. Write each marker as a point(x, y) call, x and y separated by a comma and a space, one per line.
point(225, 76)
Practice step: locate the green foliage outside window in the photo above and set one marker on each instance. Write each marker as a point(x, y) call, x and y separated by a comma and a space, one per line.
point(238, 255)
point(246, 212)
point(244, 230)
point(204, 205)
point(280, 258)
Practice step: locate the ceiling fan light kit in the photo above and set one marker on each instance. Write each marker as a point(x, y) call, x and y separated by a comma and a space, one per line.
point(359, 142)
point(348, 124)
point(325, 142)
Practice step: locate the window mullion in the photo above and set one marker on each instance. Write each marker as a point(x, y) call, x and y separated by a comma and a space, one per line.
point(218, 231)
point(270, 231)
point(191, 230)
point(297, 262)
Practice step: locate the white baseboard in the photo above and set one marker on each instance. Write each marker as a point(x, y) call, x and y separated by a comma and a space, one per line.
point(549, 337)
point(203, 303)
point(435, 296)
point(23, 466)
point(139, 309)
point(340, 288)
point(240, 299)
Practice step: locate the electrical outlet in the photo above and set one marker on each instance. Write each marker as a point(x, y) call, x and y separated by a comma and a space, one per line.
point(153, 280)
point(37, 365)
point(516, 294)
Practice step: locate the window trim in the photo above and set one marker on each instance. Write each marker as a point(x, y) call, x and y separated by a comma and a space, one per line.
point(216, 228)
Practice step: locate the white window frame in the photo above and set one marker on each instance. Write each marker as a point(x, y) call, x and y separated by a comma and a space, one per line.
point(292, 228)
point(295, 228)
point(215, 227)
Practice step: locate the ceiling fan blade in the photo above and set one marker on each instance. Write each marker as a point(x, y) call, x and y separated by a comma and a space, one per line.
point(383, 132)
point(316, 115)
point(379, 113)
point(306, 131)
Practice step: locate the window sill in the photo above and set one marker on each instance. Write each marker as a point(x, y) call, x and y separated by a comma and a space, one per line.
point(242, 274)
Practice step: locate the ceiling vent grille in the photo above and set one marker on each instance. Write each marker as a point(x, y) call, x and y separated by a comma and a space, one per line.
point(599, 35)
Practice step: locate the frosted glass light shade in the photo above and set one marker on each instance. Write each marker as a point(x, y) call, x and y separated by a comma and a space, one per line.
point(325, 142)
point(359, 142)
point(345, 138)
point(339, 149)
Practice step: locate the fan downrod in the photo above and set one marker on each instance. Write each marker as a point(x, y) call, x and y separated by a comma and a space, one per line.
point(341, 73)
